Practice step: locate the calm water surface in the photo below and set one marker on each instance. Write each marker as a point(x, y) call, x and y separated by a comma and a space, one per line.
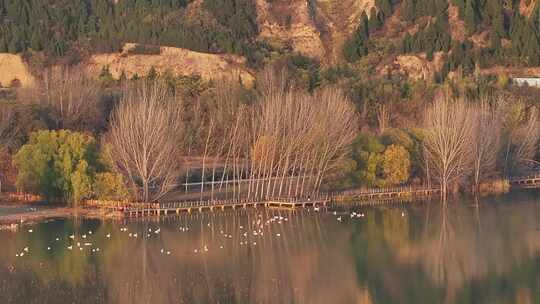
point(416, 253)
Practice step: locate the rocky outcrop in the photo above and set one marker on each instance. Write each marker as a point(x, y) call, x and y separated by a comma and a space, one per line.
point(338, 21)
point(526, 7)
point(173, 60)
point(416, 67)
point(316, 28)
point(289, 23)
point(457, 26)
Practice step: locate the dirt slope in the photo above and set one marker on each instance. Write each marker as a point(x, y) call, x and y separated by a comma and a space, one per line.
point(12, 67)
point(337, 21)
point(317, 28)
point(416, 67)
point(175, 60)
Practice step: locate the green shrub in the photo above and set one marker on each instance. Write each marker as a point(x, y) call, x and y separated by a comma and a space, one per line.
point(367, 153)
point(59, 165)
point(142, 49)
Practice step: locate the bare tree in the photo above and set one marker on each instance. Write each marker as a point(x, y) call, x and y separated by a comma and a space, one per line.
point(520, 134)
point(7, 124)
point(486, 141)
point(143, 139)
point(298, 138)
point(74, 97)
point(449, 129)
point(282, 144)
point(8, 131)
point(525, 142)
point(383, 117)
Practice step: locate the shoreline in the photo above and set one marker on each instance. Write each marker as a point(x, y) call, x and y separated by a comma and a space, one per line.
point(37, 214)
point(16, 213)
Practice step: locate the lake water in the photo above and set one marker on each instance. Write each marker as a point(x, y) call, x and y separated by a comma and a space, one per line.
point(467, 252)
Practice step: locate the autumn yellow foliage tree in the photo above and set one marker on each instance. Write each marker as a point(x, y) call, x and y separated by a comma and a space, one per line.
point(396, 165)
point(110, 186)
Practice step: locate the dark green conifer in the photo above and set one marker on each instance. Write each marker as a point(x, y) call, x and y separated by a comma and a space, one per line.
point(375, 21)
point(152, 73)
point(385, 7)
point(408, 10)
point(470, 16)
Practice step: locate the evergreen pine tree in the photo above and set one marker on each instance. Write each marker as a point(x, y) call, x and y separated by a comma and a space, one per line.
point(470, 17)
point(429, 53)
point(35, 41)
point(13, 46)
point(3, 46)
point(152, 73)
point(408, 10)
point(535, 18)
point(385, 7)
point(498, 19)
point(122, 77)
point(461, 6)
point(374, 22)
point(407, 42)
point(363, 28)
point(357, 45)
point(349, 51)
point(441, 7)
point(532, 48)
point(495, 41)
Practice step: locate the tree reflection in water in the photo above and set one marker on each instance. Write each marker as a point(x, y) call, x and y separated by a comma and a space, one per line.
point(301, 265)
point(467, 252)
point(453, 253)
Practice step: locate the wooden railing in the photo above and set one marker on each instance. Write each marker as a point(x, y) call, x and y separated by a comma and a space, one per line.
point(24, 197)
point(401, 189)
point(118, 205)
point(133, 206)
point(535, 176)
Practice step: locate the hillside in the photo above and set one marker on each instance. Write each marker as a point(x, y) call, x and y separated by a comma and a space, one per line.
point(391, 36)
point(179, 62)
point(314, 28)
point(176, 61)
point(13, 68)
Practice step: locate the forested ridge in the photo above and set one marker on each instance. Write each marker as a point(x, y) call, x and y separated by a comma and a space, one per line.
point(61, 28)
point(508, 29)
point(511, 35)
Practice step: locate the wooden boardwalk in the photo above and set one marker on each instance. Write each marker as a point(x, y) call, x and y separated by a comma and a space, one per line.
point(200, 206)
point(368, 196)
point(384, 193)
point(530, 181)
point(362, 196)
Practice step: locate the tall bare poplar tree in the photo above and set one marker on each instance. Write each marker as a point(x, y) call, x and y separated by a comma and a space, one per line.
point(486, 141)
point(525, 140)
point(297, 138)
point(7, 132)
point(449, 129)
point(7, 124)
point(143, 137)
point(520, 134)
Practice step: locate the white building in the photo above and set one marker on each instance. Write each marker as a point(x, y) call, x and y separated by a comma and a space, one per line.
point(529, 81)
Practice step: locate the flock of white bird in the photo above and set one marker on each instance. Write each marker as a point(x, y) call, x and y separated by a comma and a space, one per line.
point(248, 236)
